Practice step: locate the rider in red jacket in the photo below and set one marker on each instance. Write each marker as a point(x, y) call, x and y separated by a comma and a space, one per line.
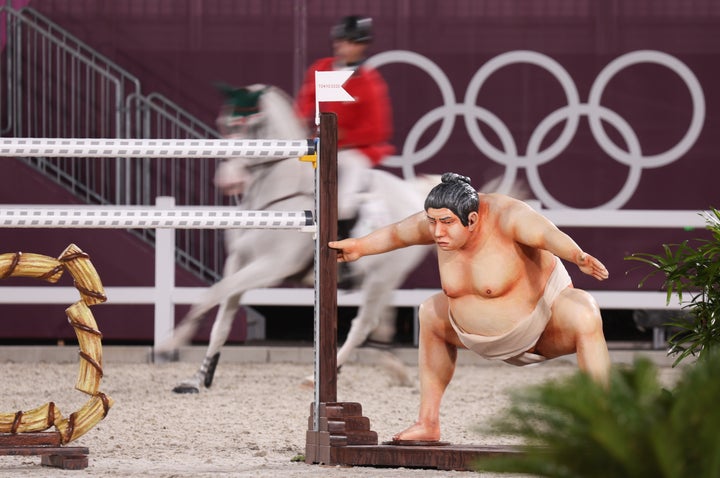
point(364, 125)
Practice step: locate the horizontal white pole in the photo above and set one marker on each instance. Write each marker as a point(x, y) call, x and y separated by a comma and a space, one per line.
point(143, 217)
point(636, 218)
point(296, 297)
point(224, 217)
point(154, 148)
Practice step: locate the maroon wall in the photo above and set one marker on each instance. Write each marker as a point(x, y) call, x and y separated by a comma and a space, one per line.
point(180, 48)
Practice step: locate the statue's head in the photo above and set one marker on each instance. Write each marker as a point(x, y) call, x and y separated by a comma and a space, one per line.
point(456, 194)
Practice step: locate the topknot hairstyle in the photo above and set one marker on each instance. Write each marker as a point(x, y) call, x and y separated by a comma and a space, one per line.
point(455, 193)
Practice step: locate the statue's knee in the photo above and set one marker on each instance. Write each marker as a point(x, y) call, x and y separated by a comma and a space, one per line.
point(426, 313)
point(591, 323)
point(423, 312)
point(587, 312)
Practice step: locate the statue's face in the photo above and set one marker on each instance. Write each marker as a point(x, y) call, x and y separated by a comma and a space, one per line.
point(446, 228)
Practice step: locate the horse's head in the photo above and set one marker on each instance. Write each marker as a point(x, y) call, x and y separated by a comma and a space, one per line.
point(253, 112)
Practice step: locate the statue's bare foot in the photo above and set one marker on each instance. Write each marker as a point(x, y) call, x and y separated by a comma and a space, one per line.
point(419, 432)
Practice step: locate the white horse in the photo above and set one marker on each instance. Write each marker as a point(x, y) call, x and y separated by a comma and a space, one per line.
point(265, 258)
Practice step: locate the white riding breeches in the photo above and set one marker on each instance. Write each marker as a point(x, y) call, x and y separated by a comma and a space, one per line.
point(352, 181)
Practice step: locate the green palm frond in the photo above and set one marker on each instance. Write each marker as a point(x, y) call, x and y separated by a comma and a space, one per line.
point(691, 269)
point(634, 428)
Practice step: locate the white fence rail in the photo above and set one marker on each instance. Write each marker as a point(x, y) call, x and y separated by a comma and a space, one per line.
point(165, 295)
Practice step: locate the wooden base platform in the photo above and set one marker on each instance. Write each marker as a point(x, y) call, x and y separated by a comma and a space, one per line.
point(344, 438)
point(47, 445)
point(448, 457)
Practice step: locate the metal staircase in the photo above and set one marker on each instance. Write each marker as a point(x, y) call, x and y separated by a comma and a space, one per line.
point(53, 85)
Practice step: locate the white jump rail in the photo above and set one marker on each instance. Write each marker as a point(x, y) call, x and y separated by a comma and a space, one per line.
point(165, 217)
point(139, 217)
point(154, 148)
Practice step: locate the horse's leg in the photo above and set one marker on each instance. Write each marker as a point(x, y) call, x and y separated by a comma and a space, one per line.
point(375, 297)
point(376, 316)
point(381, 338)
point(218, 336)
point(385, 330)
point(264, 271)
point(377, 288)
point(237, 279)
point(254, 275)
point(372, 321)
point(184, 332)
point(187, 327)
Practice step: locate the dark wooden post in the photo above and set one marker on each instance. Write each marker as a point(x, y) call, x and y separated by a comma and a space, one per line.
point(317, 445)
point(327, 261)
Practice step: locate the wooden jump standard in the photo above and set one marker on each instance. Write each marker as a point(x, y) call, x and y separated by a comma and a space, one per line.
point(338, 433)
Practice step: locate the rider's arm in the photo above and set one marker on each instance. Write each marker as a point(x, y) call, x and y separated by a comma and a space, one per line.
point(411, 231)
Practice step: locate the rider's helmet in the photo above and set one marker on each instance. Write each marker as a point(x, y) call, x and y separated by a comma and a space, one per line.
point(353, 28)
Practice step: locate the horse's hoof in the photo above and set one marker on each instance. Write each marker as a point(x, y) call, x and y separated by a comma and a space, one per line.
point(210, 374)
point(165, 356)
point(186, 389)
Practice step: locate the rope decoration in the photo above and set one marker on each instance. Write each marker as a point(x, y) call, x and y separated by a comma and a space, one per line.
point(88, 284)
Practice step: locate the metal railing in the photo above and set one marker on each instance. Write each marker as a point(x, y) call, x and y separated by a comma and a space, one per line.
point(52, 85)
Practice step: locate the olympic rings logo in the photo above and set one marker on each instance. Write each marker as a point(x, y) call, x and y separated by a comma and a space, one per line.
point(509, 156)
